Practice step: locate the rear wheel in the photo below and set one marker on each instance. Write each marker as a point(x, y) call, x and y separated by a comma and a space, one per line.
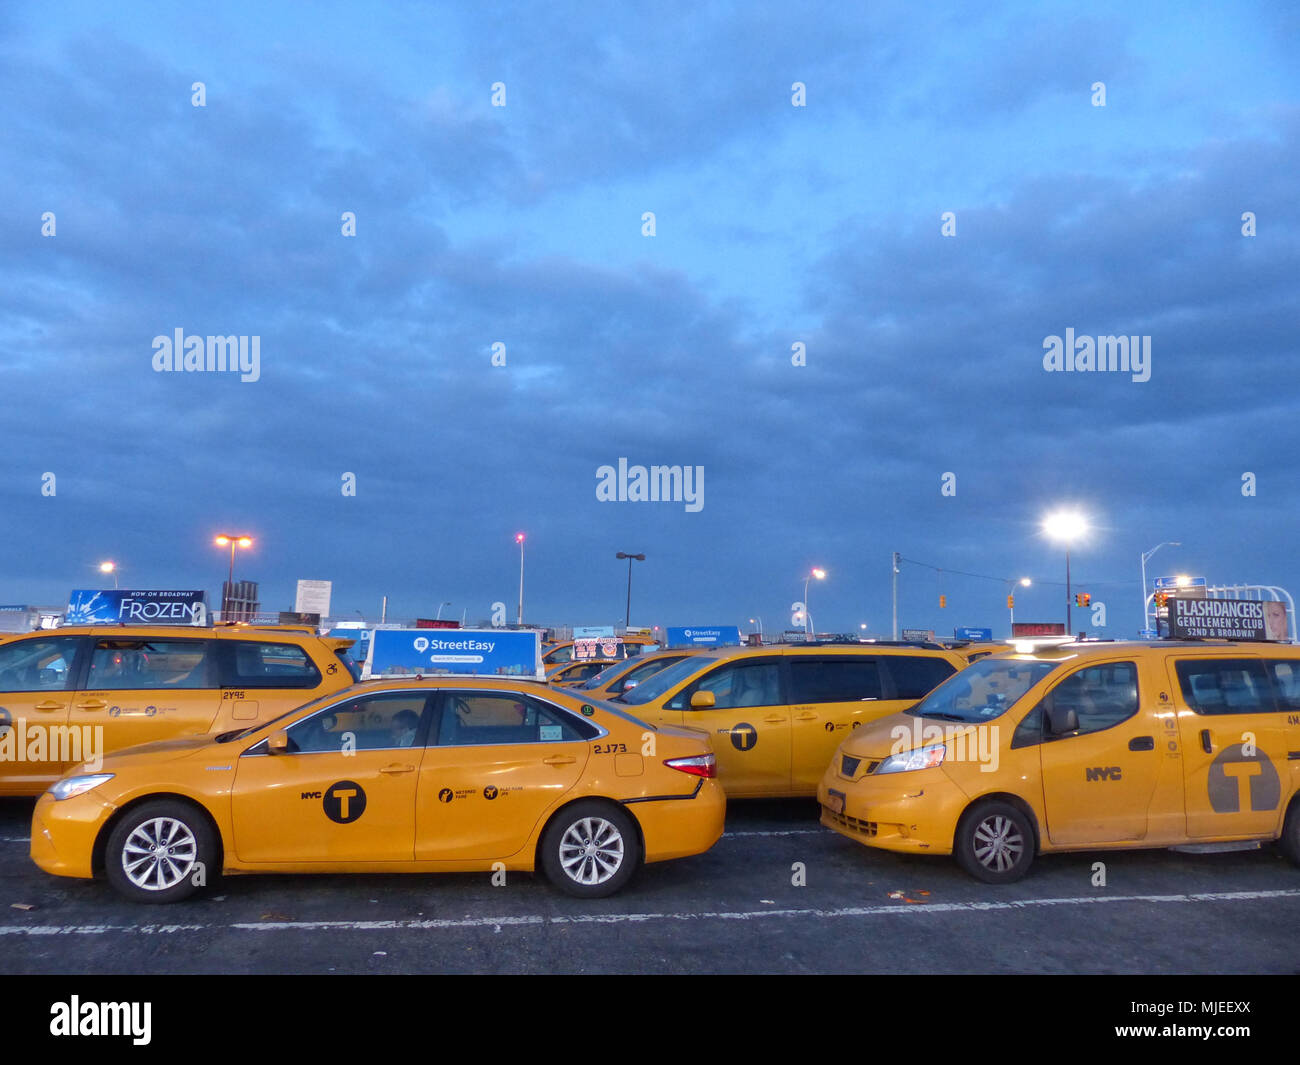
point(590, 849)
point(995, 843)
point(162, 851)
point(1289, 841)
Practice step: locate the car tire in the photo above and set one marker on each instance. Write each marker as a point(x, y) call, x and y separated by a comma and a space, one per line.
point(137, 865)
point(1289, 841)
point(591, 849)
point(994, 843)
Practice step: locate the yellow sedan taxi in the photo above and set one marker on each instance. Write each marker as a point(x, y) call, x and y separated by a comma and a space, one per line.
point(1082, 746)
point(777, 713)
point(452, 774)
point(74, 694)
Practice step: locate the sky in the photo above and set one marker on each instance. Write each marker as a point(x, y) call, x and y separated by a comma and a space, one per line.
point(868, 221)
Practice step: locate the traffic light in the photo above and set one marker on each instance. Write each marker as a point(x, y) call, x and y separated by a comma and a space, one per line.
point(1011, 602)
point(943, 601)
point(1162, 599)
point(1082, 598)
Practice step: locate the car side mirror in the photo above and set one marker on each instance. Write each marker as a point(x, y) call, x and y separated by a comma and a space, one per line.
point(703, 701)
point(1061, 720)
point(278, 743)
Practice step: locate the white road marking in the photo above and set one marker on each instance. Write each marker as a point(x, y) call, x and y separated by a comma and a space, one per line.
point(787, 832)
point(919, 909)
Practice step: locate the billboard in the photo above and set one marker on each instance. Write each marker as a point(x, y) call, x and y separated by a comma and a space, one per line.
point(602, 647)
point(113, 606)
point(313, 598)
point(966, 632)
point(706, 636)
point(1038, 628)
point(467, 652)
point(1227, 619)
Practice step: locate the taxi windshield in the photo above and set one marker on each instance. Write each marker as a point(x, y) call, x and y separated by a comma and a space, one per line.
point(609, 673)
point(982, 691)
point(665, 680)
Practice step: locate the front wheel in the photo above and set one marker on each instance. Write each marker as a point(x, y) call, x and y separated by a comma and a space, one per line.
point(995, 843)
point(160, 852)
point(590, 849)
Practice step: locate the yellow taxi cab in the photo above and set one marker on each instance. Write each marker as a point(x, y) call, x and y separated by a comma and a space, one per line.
point(1081, 746)
point(451, 774)
point(777, 713)
point(620, 676)
point(569, 673)
point(74, 694)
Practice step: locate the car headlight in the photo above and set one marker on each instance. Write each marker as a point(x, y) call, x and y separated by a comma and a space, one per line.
point(920, 758)
point(70, 786)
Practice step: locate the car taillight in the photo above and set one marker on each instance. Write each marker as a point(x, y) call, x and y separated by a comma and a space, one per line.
point(703, 765)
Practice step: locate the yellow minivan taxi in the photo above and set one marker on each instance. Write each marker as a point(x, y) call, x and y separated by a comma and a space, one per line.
point(1081, 746)
point(450, 774)
point(777, 713)
point(74, 694)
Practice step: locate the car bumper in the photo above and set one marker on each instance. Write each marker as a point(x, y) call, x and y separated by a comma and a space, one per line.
point(910, 812)
point(64, 833)
point(678, 828)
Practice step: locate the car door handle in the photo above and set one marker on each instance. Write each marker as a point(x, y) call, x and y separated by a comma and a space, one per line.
point(1142, 743)
point(46, 707)
point(805, 716)
point(398, 769)
point(1206, 745)
point(560, 759)
point(93, 704)
point(776, 719)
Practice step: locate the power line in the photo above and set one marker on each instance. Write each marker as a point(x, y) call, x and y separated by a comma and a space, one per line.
point(1007, 580)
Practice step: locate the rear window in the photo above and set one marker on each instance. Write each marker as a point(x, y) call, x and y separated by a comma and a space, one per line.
point(1225, 685)
point(915, 676)
point(173, 664)
point(254, 664)
point(838, 679)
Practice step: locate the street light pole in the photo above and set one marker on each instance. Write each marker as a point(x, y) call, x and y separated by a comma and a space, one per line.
point(820, 574)
point(1146, 556)
point(627, 617)
point(519, 539)
point(1066, 526)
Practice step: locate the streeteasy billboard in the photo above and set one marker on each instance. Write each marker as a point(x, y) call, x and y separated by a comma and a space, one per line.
point(115, 606)
point(715, 636)
point(466, 652)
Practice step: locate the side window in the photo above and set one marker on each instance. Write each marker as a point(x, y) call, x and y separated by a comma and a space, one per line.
point(375, 723)
point(171, 664)
point(252, 664)
point(740, 685)
point(1102, 696)
point(559, 655)
point(915, 676)
point(478, 718)
point(1225, 685)
point(38, 665)
point(1286, 681)
point(1030, 730)
point(837, 679)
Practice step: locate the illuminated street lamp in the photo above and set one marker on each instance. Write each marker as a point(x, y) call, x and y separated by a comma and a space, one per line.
point(1024, 582)
point(109, 567)
point(1066, 526)
point(232, 541)
point(820, 574)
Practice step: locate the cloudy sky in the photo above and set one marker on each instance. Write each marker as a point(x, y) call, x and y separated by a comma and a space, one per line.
point(774, 225)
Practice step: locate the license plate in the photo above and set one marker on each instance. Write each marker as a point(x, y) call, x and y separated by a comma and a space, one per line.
point(835, 800)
